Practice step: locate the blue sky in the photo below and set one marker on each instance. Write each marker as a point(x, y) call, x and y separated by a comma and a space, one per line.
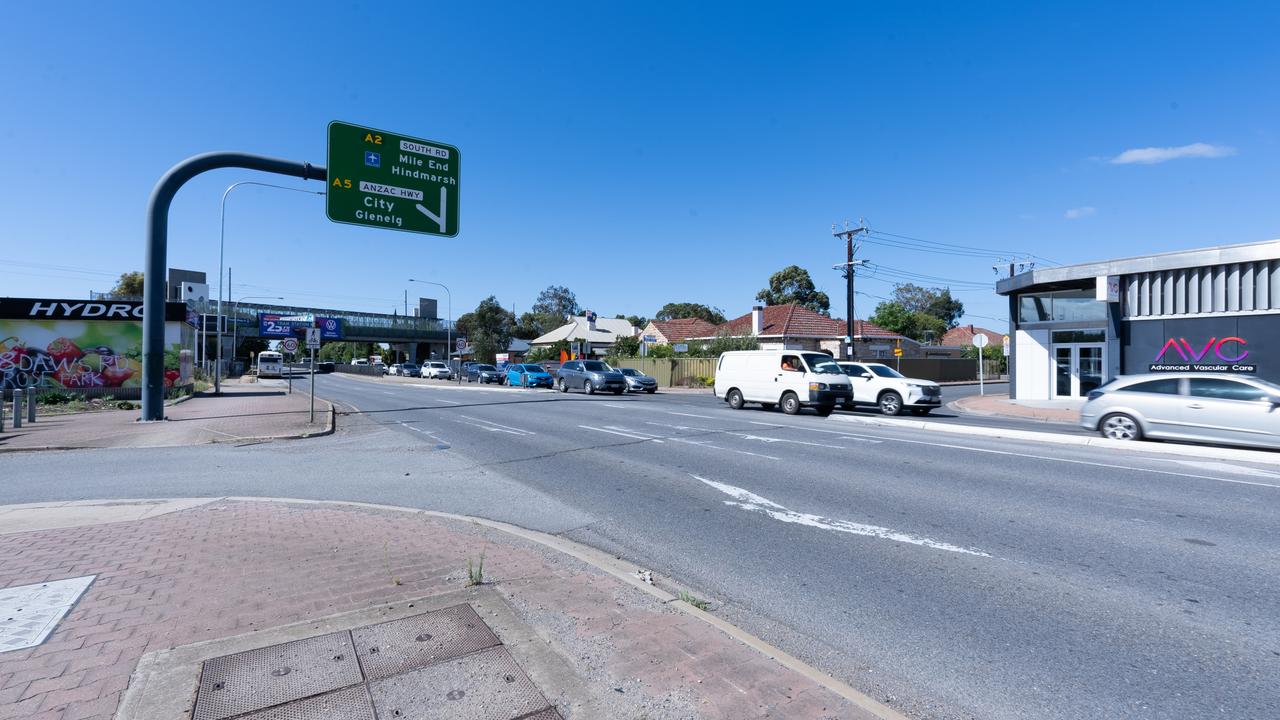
point(643, 153)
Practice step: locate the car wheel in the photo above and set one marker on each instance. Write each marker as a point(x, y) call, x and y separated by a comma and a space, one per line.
point(790, 403)
point(891, 403)
point(824, 410)
point(589, 388)
point(920, 411)
point(564, 387)
point(1119, 426)
point(735, 400)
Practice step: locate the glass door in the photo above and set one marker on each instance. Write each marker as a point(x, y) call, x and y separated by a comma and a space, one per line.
point(1089, 368)
point(1078, 368)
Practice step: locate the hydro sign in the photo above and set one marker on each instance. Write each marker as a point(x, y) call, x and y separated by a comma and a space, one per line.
point(1215, 355)
point(281, 326)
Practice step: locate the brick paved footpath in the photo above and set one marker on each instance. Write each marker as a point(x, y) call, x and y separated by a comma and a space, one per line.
point(229, 568)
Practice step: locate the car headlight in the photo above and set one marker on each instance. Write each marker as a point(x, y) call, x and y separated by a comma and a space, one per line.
point(818, 386)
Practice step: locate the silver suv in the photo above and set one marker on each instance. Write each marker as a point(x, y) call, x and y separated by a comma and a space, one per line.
point(590, 375)
point(1204, 407)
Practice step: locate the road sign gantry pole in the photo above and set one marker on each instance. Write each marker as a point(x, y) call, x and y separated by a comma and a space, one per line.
point(157, 254)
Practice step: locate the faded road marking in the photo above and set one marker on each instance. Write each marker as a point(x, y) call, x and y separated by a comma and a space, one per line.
point(748, 500)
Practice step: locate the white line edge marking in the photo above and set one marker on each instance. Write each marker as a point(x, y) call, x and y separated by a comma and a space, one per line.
point(506, 428)
point(705, 417)
point(623, 434)
point(748, 500)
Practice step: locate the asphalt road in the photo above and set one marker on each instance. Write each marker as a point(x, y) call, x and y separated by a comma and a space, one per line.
point(952, 577)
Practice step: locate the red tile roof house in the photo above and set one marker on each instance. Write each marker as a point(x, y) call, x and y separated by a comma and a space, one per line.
point(666, 332)
point(793, 327)
point(963, 336)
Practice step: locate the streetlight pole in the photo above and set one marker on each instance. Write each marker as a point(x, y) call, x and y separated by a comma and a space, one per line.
point(222, 238)
point(448, 331)
point(235, 327)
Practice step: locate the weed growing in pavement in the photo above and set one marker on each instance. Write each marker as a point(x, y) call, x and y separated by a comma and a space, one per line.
point(475, 571)
point(685, 596)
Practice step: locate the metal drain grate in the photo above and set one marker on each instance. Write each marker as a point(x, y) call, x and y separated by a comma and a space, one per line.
point(487, 685)
point(548, 714)
point(257, 679)
point(414, 642)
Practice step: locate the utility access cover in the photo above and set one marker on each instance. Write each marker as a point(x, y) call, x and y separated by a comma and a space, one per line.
point(396, 182)
point(29, 613)
point(441, 664)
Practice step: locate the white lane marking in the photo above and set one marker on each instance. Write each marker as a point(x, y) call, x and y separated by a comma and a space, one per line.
point(629, 430)
point(623, 434)
point(843, 435)
point(706, 417)
point(498, 427)
point(748, 500)
point(451, 402)
point(1226, 467)
point(615, 405)
point(1073, 462)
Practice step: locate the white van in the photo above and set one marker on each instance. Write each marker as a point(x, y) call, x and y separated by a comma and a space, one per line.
point(790, 378)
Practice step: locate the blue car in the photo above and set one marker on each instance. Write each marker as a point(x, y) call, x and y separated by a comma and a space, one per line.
point(528, 376)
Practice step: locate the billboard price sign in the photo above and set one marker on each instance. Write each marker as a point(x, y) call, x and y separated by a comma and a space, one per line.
point(391, 181)
point(281, 326)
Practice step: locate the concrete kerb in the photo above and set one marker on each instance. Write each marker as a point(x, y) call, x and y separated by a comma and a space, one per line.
point(330, 428)
point(628, 573)
point(1201, 452)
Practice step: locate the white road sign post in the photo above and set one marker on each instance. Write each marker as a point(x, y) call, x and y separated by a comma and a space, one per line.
point(313, 344)
point(980, 341)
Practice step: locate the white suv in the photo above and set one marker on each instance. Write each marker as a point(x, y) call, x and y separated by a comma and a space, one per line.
point(878, 384)
point(436, 369)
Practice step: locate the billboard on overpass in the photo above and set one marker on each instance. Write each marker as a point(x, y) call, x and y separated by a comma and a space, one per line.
point(282, 326)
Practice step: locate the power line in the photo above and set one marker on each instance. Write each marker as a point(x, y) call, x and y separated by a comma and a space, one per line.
point(944, 248)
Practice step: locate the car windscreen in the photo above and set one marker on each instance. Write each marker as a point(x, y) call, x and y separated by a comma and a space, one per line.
point(533, 368)
point(822, 364)
point(885, 371)
point(595, 366)
point(482, 368)
point(630, 371)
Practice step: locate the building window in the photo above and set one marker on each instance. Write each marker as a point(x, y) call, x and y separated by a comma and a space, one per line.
point(1079, 336)
point(1066, 306)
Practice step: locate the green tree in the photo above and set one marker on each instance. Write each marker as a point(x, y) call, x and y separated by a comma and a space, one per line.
point(626, 346)
point(557, 301)
point(917, 325)
point(792, 284)
point(930, 301)
point(462, 326)
point(128, 286)
point(682, 310)
point(728, 343)
point(532, 325)
point(490, 329)
point(991, 353)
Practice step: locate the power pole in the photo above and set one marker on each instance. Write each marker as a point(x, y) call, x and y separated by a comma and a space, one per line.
point(848, 268)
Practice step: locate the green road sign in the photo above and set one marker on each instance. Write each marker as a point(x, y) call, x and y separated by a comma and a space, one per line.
point(382, 180)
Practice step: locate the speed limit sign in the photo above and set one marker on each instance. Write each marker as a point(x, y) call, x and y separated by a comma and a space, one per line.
point(289, 345)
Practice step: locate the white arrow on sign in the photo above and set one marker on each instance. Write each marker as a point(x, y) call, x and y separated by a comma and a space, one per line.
point(440, 219)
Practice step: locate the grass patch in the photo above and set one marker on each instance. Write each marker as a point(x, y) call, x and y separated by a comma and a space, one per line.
point(475, 571)
point(686, 596)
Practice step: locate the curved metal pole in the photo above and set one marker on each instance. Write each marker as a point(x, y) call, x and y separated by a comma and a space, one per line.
point(448, 331)
point(222, 244)
point(153, 283)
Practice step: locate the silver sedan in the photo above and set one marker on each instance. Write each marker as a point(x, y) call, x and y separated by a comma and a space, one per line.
point(1200, 407)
